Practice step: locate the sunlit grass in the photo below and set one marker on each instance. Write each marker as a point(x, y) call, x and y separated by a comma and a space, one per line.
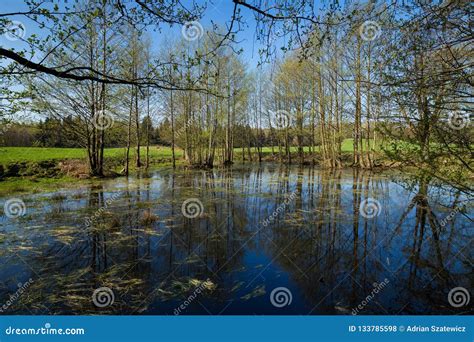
point(33, 185)
point(36, 154)
point(347, 147)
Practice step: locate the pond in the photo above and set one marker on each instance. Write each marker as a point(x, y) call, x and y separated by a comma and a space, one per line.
point(271, 239)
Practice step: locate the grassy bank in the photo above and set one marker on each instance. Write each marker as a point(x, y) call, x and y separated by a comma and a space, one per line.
point(33, 169)
point(346, 147)
point(36, 154)
point(39, 169)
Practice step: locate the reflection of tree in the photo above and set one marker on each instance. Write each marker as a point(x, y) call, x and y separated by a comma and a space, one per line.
point(331, 253)
point(435, 266)
point(209, 245)
point(332, 232)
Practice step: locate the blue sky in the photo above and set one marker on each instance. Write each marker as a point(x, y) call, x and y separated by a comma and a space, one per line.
point(218, 11)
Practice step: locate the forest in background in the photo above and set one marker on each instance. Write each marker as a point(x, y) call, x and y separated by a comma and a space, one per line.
point(397, 72)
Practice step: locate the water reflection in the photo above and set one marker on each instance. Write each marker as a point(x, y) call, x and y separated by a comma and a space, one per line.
point(130, 235)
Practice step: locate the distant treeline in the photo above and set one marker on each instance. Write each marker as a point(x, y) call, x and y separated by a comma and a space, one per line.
point(60, 133)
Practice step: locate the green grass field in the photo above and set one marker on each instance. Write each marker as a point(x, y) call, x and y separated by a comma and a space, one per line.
point(35, 154)
point(347, 146)
point(9, 155)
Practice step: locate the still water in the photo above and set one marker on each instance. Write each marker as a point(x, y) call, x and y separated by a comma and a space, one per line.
point(253, 240)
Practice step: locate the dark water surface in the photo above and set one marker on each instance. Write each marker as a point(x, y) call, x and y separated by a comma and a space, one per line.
point(296, 228)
